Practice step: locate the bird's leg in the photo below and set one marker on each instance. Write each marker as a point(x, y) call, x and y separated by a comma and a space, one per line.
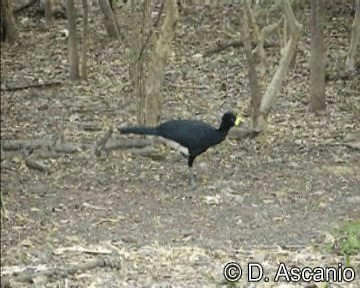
point(191, 177)
point(191, 173)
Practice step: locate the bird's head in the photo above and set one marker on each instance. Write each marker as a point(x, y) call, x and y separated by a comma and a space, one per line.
point(229, 119)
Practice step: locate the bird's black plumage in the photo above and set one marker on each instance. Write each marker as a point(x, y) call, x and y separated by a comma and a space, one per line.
point(193, 135)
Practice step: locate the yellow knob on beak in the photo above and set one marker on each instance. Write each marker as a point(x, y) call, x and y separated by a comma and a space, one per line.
point(238, 121)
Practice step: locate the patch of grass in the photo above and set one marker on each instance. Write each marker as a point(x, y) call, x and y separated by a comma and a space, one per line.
point(3, 210)
point(347, 240)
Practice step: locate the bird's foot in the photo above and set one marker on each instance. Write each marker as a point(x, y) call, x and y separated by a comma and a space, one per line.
point(192, 184)
point(192, 181)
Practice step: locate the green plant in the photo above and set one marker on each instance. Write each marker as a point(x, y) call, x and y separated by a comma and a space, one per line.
point(347, 240)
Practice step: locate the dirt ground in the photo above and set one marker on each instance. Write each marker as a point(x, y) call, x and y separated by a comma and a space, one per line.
point(275, 198)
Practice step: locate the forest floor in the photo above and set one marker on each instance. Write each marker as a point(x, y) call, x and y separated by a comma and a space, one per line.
point(290, 195)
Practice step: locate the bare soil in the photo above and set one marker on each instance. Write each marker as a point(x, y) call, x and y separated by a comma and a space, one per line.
point(275, 198)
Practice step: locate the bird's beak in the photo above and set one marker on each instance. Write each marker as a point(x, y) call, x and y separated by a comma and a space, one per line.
point(238, 121)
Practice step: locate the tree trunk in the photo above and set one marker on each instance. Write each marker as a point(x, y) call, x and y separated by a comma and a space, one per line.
point(138, 59)
point(355, 39)
point(84, 41)
point(73, 42)
point(48, 12)
point(289, 51)
point(8, 27)
point(252, 75)
point(317, 57)
point(158, 61)
point(111, 25)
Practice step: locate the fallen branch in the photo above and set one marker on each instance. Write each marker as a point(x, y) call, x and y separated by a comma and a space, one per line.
point(353, 145)
point(234, 43)
point(16, 145)
point(141, 143)
point(342, 75)
point(25, 6)
point(102, 142)
point(67, 148)
point(36, 85)
point(64, 272)
point(91, 128)
point(150, 152)
point(82, 249)
point(223, 46)
point(200, 87)
point(70, 148)
point(47, 148)
point(32, 164)
point(240, 134)
point(59, 10)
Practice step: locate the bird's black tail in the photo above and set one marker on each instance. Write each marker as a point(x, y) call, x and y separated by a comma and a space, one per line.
point(141, 130)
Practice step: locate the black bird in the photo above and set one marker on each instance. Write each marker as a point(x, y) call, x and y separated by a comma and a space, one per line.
point(191, 137)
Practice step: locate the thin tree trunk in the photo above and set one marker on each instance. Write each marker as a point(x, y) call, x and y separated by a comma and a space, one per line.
point(289, 51)
point(8, 24)
point(48, 12)
point(73, 42)
point(84, 41)
point(158, 61)
point(355, 39)
point(317, 57)
point(139, 61)
point(252, 75)
point(111, 25)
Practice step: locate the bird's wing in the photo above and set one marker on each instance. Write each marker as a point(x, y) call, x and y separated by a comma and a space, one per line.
point(196, 136)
